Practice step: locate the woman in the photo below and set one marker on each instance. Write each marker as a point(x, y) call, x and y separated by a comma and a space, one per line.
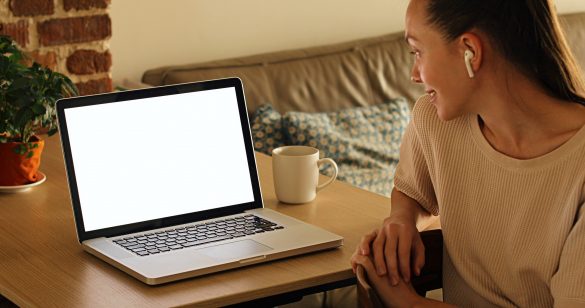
point(497, 147)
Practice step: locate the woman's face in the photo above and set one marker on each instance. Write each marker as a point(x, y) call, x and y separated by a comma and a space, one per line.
point(438, 64)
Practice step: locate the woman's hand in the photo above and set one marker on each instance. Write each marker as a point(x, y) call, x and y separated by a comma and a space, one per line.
point(392, 248)
point(396, 247)
point(363, 248)
point(400, 295)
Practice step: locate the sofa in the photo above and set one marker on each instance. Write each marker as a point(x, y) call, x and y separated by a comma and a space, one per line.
point(342, 85)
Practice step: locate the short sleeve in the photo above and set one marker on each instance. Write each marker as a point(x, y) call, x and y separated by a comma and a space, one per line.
point(412, 173)
point(568, 283)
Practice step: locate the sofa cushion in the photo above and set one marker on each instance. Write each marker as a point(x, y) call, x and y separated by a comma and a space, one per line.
point(267, 129)
point(364, 142)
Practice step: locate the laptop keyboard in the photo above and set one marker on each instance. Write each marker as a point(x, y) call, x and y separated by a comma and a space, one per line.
point(196, 234)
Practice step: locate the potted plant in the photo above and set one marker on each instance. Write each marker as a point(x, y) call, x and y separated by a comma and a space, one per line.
point(27, 109)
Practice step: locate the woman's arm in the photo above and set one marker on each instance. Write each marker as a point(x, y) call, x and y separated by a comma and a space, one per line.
point(392, 245)
point(403, 205)
point(567, 285)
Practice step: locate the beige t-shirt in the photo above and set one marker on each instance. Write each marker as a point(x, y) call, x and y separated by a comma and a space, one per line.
point(514, 230)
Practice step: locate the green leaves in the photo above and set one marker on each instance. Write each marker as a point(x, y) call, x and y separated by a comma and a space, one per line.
point(22, 117)
point(28, 95)
point(20, 83)
point(39, 109)
point(9, 49)
point(21, 100)
point(52, 131)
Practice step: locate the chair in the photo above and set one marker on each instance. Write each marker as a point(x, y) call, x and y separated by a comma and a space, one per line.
point(431, 276)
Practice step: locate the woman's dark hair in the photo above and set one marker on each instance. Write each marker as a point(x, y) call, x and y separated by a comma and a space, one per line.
point(526, 32)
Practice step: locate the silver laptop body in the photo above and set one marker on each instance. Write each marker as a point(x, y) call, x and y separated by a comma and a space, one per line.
point(164, 184)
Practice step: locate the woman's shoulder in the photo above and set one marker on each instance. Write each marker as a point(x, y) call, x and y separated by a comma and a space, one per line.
point(423, 108)
point(424, 117)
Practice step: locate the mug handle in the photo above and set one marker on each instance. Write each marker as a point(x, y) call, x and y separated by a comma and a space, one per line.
point(332, 162)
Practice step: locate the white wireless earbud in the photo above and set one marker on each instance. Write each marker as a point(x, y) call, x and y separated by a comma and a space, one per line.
point(468, 56)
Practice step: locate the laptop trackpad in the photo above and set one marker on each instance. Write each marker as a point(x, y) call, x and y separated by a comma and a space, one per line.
point(235, 250)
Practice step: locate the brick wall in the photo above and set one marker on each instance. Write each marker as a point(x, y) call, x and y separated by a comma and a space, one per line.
point(68, 36)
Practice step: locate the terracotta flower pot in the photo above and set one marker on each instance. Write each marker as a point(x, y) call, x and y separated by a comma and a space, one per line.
point(20, 169)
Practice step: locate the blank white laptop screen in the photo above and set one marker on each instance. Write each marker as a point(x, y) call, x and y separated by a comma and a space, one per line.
point(133, 163)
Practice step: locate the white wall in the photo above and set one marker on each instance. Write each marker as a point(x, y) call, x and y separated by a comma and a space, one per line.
point(149, 34)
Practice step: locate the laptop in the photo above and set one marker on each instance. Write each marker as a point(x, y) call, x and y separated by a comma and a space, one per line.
point(164, 185)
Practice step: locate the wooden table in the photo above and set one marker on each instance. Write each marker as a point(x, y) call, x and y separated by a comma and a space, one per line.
point(42, 263)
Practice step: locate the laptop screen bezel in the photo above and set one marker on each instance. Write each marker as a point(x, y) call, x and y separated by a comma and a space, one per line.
point(114, 97)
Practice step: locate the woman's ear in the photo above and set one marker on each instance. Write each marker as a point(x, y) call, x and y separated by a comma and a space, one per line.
point(471, 50)
point(467, 57)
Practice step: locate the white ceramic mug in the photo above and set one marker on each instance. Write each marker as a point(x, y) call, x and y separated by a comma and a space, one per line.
point(296, 173)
